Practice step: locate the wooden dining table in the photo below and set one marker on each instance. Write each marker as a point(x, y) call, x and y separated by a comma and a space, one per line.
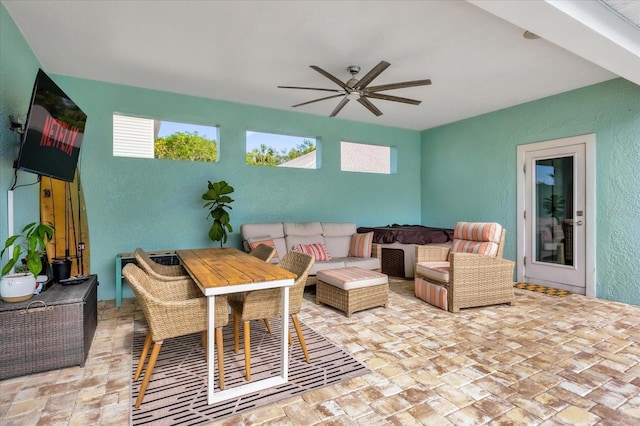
point(226, 270)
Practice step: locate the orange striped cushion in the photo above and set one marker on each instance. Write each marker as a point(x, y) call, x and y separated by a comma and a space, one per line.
point(317, 250)
point(431, 293)
point(478, 231)
point(361, 245)
point(476, 237)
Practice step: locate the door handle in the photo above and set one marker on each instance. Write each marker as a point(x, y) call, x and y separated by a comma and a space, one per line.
point(578, 223)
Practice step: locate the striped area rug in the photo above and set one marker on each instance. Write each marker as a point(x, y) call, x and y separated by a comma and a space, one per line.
point(542, 289)
point(177, 393)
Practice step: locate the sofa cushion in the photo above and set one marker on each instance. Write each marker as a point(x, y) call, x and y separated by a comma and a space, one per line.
point(256, 230)
point(302, 228)
point(362, 262)
point(329, 264)
point(338, 229)
point(437, 271)
point(360, 245)
point(264, 231)
point(295, 240)
point(337, 236)
point(317, 250)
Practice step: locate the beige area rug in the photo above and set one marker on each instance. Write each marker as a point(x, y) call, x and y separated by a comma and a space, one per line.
point(177, 393)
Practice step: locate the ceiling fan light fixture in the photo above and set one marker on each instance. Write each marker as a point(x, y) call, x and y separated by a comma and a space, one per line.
point(359, 90)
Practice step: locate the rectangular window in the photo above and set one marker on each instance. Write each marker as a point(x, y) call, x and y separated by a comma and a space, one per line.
point(268, 149)
point(149, 138)
point(132, 137)
point(359, 157)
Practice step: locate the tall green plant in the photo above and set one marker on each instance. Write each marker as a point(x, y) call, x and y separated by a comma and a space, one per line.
point(35, 237)
point(218, 202)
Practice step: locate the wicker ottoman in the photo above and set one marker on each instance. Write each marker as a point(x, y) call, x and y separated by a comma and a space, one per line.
point(352, 289)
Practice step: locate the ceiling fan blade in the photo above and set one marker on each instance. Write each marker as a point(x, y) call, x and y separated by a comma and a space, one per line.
point(393, 98)
point(317, 100)
point(341, 105)
point(336, 80)
point(310, 88)
point(373, 73)
point(368, 105)
point(399, 85)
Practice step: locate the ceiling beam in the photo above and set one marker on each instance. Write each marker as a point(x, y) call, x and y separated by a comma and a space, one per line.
point(586, 28)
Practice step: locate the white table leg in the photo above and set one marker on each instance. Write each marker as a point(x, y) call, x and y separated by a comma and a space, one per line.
point(284, 359)
point(252, 386)
point(211, 344)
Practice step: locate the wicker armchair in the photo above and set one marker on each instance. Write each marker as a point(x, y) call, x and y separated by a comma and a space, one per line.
point(157, 270)
point(262, 304)
point(470, 279)
point(264, 252)
point(172, 311)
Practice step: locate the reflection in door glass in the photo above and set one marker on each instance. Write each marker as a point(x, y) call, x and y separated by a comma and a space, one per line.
point(554, 207)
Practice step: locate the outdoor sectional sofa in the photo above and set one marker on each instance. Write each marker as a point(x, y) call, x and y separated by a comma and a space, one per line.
point(336, 244)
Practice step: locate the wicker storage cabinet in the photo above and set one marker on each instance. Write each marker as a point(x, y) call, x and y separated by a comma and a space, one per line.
point(51, 330)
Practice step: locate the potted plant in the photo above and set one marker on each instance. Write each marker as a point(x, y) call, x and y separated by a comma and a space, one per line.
point(18, 287)
point(218, 202)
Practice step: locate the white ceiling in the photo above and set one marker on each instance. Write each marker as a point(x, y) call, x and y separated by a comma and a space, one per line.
point(239, 51)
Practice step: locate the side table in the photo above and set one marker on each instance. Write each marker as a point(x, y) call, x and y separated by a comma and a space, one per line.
point(53, 329)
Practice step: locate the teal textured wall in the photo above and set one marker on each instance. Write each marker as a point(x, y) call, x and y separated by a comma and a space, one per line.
point(469, 172)
point(18, 69)
point(156, 204)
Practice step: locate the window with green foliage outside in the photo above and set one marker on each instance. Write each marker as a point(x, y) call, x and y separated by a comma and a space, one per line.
point(149, 138)
point(274, 150)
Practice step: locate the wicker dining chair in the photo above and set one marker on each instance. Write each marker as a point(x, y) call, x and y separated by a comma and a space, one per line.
point(260, 304)
point(172, 311)
point(264, 252)
point(157, 270)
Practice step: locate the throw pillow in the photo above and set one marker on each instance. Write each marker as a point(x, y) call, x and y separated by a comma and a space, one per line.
point(361, 245)
point(317, 250)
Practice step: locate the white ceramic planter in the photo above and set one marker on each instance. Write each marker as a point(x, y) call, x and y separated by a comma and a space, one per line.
point(17, 287)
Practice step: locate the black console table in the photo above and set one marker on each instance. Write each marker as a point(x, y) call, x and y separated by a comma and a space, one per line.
point(53, 329)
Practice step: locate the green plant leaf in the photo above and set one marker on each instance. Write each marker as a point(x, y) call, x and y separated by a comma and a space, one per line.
point(217, 202)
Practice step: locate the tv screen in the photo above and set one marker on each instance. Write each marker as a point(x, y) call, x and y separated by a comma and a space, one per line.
point(53, 134)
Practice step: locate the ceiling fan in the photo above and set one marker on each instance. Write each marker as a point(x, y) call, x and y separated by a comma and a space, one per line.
point(354, 89)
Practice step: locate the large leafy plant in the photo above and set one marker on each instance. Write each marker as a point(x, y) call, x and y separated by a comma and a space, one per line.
point(217, 201)
point(35, 237)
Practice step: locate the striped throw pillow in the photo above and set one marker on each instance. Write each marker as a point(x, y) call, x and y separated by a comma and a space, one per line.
point(361, 245)
point(317, 250)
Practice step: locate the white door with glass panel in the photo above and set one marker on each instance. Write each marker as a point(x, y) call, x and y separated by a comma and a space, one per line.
point(555, 214)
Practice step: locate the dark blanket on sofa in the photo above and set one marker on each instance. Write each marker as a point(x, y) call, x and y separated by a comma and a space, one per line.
point(408, 234)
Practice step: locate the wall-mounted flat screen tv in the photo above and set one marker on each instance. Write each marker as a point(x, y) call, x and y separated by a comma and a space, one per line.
point(53, 133)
